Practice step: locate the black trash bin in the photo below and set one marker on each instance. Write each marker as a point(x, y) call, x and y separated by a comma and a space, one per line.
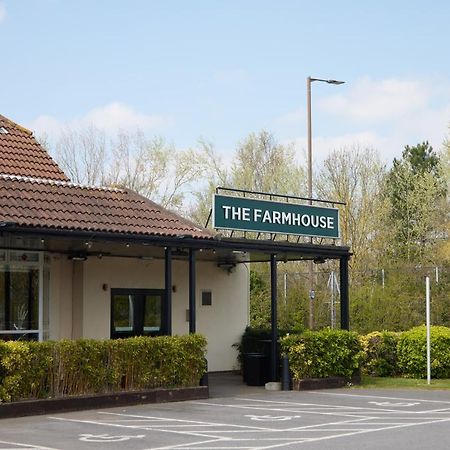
point(255, 369)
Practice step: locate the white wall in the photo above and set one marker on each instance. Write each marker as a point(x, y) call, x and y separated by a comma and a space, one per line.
point(80, 307)
point(61, 294)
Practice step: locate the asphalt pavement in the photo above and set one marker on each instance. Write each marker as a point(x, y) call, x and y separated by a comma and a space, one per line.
point(240, 417)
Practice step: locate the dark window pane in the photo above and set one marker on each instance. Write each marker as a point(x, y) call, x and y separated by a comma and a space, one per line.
point(2, 301)
point(24, 300)
point(206, 298)
point(19, 337)
point(152, 313)
point(123, 313)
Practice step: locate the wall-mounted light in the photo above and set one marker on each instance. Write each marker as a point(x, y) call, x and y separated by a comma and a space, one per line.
point(227, 266)
point(78, 256)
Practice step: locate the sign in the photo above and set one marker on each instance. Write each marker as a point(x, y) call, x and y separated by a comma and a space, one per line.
point(264, 216)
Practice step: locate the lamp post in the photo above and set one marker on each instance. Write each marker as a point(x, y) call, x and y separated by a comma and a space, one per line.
point(309, 80)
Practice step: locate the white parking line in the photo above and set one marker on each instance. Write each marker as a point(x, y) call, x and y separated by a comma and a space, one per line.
point(194, 422)
point(29, 446)
point(352, 421)
point(333, 411)
point(381, 397)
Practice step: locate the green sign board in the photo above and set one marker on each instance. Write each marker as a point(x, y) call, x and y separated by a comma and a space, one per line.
point(264, 216)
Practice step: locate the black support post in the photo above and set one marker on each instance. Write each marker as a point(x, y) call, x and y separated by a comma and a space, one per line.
point(343, 273)
point(274, 320)
point(192, 324)
point(168, 289)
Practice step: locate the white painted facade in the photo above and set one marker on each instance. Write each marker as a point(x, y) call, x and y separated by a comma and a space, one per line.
point(80, 299)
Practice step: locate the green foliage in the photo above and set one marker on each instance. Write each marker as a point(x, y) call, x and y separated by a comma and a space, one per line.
point(355, 176)
point(319, 354)
point(422, 158)
point(412, 352)
point(380, 353)
point(262, 164)
point(56, 369)
point(415, 190)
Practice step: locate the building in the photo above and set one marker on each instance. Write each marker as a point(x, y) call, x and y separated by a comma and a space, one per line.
point(79, 261)
point(88, 262)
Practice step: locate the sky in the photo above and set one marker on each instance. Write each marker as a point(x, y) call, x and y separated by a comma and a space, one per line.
point(219, 70)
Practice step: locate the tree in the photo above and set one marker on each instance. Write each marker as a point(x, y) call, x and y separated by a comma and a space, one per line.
point(153, 168)
point(444, 246)
point(148, 166)
point(415, 191)
point(354, 175)
point(82, 155)
point(259, 164)
point(262, 164)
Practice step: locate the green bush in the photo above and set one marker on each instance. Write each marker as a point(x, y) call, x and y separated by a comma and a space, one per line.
point(412, 356)
point(380, 353)
point(319, 354)
point(61, 368)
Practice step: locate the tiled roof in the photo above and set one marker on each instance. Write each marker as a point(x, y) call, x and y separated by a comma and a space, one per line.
point(21, 154)
point(61, 205)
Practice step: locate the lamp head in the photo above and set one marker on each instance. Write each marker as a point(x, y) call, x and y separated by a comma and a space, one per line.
point(335, 82)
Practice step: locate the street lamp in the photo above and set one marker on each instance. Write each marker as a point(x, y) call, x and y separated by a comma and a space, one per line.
point(309, 80)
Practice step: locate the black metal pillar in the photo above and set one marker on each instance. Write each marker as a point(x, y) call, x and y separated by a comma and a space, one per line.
point(274, 320)
point(343, 273)
point(192, 324)
point(168, 289)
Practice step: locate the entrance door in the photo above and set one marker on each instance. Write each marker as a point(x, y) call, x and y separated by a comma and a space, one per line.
point(137, 312)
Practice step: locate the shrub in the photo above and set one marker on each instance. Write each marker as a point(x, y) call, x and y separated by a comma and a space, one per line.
point(380, 353)
point(412, 355)
point(319, 354)
point(61, 368)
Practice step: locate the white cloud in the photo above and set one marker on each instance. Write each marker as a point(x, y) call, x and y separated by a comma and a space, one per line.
point(2, 12)
point(110, 118)
point(116, 116)
point(385, 114)
point(372, 101)
point(295, 117)
point(323, 146)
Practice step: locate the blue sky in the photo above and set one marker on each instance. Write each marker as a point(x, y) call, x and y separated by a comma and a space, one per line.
point(222, 69)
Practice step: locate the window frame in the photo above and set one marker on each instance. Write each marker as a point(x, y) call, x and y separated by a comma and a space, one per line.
point(138, 312)
point(8, 263)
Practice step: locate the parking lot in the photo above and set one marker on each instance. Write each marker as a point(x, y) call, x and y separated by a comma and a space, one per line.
point(331, 419)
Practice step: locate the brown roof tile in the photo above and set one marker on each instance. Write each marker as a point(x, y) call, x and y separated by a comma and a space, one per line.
point(62, 205)
point(21, 154)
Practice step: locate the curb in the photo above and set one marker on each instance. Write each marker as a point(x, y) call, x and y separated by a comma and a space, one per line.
point(306, 384)
point(110, 400)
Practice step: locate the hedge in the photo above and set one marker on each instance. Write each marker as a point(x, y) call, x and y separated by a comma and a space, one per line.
point(319, 354)
point(412, 356)
point(60, 368)
point(380, 353)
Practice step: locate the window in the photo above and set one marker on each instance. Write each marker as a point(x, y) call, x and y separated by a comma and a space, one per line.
point(206, 298)
point(137, 312)
point(22, 296)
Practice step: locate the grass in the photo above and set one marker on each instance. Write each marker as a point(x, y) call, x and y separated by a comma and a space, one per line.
point(402, 383)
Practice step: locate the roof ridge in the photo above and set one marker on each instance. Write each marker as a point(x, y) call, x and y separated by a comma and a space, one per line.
point(16, 125)
point(59, 183)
